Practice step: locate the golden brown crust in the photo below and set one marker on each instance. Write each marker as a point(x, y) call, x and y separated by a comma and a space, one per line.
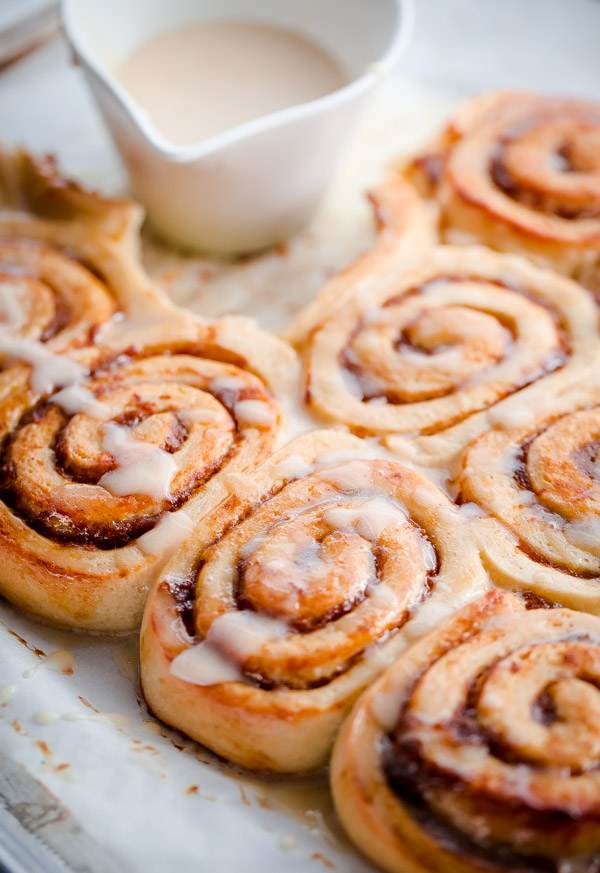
point(70, 550)
point(77, 312)
point(40, 207)
point(426, 357)
point(476, 751)
point(32, 184)
point(520, 172)
point(334, 551)
point(534, 475)
point(65, 246)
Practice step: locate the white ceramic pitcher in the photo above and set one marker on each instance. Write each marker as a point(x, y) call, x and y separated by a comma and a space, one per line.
point(258, 182)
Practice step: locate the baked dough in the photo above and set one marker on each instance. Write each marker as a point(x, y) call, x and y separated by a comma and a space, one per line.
point(477, 751)
point(427, 358)
point(520, 172)
point(294, 594)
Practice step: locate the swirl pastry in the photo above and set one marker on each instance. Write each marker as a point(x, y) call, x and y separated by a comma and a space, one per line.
point(478, 750)
point(293, 595)
point(100, 480)
point(538, 477)
point(70, 277)
point(68, 258)
point(521, 172)
point(424, 357)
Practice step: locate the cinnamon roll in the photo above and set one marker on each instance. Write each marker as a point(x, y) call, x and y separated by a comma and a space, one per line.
point(70, 276)
point(478, 750)
point(100, 480)
point(424, 357)
point(68, 257)
point(521, 172)
point(294, 594)
point(536, 476)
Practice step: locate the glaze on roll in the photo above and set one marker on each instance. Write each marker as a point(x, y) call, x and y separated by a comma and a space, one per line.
point(292, 597)
point(89, 473)
point(478, 749)
point(426, 356)
point(538, 484)
point(123, 419)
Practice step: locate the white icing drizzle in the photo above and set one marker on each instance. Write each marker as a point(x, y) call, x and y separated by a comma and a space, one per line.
point(114, 718)
point(471, 510)
point(244, 633)
point(369, 518)
point(584, 534)
point(349, 477)
point(227, 383)
point(204, 665)
point(237, 483)
point(141, 467)
point(351, 383)
point(253, 412)
point(515, 412)
point(8, 692)
point(370, 451)
point(76, 398)
point(12, 315)
point(167, 535)
point(232, 637)
point(292, 467)
point(429, 500)
point(180, 631)
point(383, 597)
point(433, 611)
point(375, 315)
point(385, 705)
point(48, 371)
point(508, 463)
point(45, 716)
point(153, 315)
point(357, 385)
point(307, 557)
point(277, 577)
point(248, 548)
point(428, 615)
point(299, 418)
point(511, 418)
point(385, 708)
point(429, 555)
point(48, 716)
point(60, 661)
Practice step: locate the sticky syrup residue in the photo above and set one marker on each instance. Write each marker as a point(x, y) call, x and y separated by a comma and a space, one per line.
point(307, 800)
point(60, 661)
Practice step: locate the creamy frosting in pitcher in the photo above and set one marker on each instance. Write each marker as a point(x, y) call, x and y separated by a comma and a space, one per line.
point(205, 77)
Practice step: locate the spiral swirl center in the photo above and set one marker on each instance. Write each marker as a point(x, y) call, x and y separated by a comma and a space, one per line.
point(307, 572)
point(561, 465)
point(553, 166)
point(568, 676)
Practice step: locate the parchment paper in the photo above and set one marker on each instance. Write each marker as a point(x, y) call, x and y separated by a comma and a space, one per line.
point(152, 800)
